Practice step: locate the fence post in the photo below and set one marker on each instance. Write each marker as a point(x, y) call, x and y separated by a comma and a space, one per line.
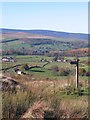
point(77, 73)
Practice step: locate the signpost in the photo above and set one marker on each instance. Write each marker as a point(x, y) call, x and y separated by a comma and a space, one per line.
point(76, 62)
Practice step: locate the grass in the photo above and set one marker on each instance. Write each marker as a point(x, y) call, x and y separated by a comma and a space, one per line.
point(17, 103)
point(19, 44)
point(43, 72)
point(87, 68)
point(42, 84)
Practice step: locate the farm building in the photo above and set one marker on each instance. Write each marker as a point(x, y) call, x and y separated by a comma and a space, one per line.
point(43, 60)
point(18, 71)
point(8, 59)
point(61, 60)
point(58, 60)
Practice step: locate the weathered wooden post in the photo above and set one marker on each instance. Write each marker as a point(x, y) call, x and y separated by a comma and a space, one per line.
point(77, 71)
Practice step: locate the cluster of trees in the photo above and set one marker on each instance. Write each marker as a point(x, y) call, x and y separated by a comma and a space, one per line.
point(24, 51)
point(67, 71)
point(83, 72)
point(62, 71)
point(69, 53)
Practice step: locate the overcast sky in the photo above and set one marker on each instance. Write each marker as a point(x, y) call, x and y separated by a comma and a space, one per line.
point(59, 16)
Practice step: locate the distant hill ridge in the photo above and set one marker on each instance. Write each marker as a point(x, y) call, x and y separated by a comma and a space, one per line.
point(49, 33)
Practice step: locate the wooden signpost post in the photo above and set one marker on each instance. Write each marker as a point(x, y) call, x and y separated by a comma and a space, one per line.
point(76, 62)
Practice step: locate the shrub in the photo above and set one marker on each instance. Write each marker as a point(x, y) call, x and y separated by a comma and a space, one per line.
point(87, 73)
point(26, 67)
point(65, 72)
point(54, 111)
point(82, 71)
point(15, 104)
point(70, 90)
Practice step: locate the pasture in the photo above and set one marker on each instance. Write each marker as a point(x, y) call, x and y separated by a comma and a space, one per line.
point(32, 60)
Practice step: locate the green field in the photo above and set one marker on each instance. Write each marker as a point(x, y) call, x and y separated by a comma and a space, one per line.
point(44, 72)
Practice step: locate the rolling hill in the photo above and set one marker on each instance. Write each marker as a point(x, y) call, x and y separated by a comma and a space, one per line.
point(57, 34)
point(40, 41)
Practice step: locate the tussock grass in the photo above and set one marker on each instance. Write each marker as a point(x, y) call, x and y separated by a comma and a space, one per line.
point(15, 104)
point(51, 91)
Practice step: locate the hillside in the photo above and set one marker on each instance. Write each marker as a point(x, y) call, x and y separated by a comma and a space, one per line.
point(57, 34)
point(39, 42)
